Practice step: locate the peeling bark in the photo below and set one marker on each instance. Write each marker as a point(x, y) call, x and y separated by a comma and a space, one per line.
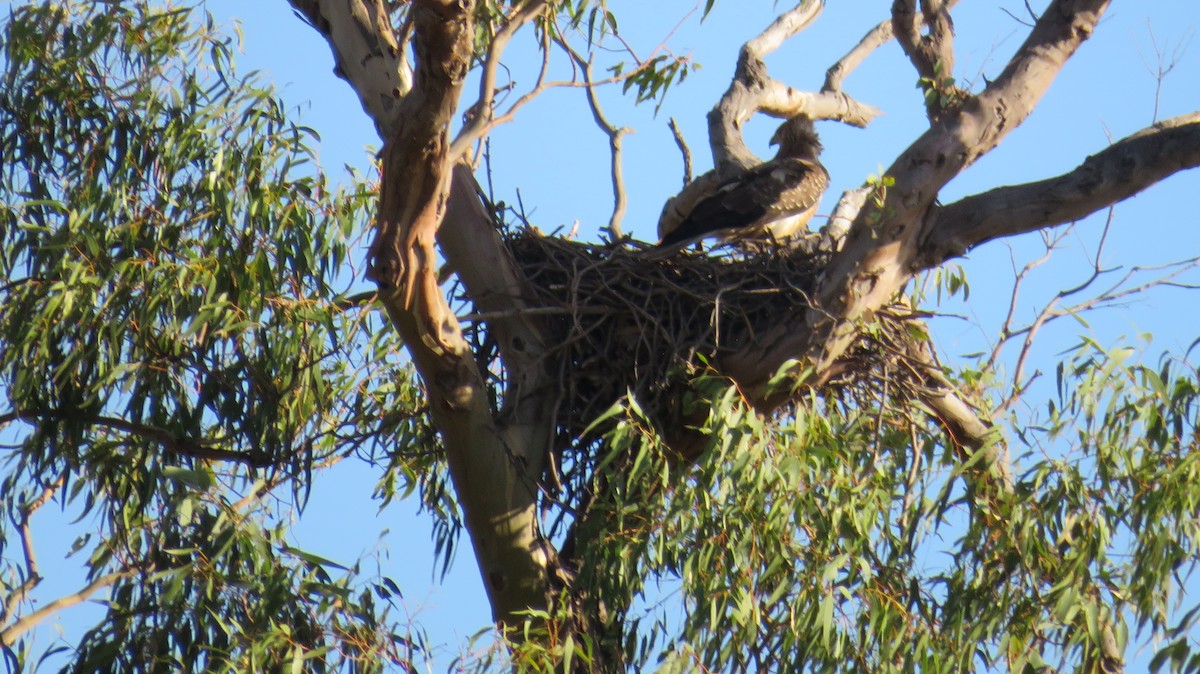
point(495, 466)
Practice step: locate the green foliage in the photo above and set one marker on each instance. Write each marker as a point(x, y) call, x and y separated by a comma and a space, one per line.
point(592, 23)
point(173, 351)
point(848, 538)
point(653, 78)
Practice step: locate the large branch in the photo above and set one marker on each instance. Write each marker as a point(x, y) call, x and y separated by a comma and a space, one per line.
point(1118, 172)
point(366, 52)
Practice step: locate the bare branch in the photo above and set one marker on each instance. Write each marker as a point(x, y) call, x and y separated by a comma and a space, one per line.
point(10, 634)
point(615, 136)
point(880, 258)
point(781, 100)
point(33, 575)
point(1006, 329)
point(1118, 172)
point(478, 126)
point(782, 28)
point(833, 234)
point(875, 38)
point(1053, 311)
point(752, 90)
point(1163, 65)
point(683, 150)
point(932, 54)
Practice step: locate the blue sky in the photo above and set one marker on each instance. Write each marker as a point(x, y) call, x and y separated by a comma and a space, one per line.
point(558, 160)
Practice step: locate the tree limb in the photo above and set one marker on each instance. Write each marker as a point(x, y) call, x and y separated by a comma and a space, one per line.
point(875, 38)
point(1116, 173)
point(932, 53)
point(10, 634)
point(366, 52)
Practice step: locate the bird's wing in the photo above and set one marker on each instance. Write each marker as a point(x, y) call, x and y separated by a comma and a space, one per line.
point(770, 191)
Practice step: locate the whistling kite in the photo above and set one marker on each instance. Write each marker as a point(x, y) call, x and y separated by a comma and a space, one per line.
point(769, 202)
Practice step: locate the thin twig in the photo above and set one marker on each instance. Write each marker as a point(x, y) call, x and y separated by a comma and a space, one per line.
point(182, 446)
point(478, 126)
point(683, 149)
point(1006, 329)
point(1105, 298)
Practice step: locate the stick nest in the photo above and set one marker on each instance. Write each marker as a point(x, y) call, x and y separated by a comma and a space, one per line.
point(620, 321)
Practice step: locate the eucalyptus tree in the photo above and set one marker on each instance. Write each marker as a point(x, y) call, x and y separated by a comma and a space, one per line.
point(769, 429)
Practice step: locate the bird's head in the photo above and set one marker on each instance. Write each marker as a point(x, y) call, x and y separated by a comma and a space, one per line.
point(797, 138)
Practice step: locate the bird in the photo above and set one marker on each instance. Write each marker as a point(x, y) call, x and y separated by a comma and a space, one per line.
point(770, 202)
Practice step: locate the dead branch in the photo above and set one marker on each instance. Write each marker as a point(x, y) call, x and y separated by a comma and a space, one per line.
point(875, 38)
point(615, 136)
point(752, 90)
point(683, 150)
point(833, 234)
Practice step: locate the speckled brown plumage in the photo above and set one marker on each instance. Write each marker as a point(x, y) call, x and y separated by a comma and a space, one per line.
point(772, 201)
